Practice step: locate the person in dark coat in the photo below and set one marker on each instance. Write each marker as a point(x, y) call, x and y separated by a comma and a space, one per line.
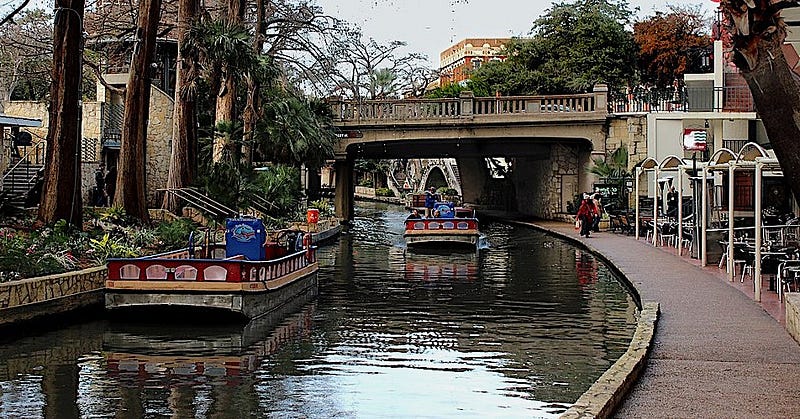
point(672, 202)
point(430, 201)
point(111, 183)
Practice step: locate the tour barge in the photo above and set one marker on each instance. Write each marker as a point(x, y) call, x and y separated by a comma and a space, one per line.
point(452, 228)
point(247, 276)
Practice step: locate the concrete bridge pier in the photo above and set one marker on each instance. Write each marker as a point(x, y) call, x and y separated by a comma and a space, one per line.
point(474, 175)
point(343, 200)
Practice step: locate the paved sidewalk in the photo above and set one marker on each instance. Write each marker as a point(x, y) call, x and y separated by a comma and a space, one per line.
point(717, 354)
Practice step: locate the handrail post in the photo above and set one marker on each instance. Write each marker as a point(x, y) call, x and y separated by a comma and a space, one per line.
point(600, 91)
point(467, 99)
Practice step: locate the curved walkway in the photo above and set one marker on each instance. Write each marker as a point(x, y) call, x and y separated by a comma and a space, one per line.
point(716, 353)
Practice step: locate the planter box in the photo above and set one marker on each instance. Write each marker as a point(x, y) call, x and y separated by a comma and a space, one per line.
point(31, 298)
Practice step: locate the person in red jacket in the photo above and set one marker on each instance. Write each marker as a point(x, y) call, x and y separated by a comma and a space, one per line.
point(586, 214)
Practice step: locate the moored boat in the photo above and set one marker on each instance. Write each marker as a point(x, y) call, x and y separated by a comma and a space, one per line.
point(247, 276)
point(454, 228)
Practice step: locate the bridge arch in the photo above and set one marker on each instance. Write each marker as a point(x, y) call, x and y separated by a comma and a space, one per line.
point(550, 141)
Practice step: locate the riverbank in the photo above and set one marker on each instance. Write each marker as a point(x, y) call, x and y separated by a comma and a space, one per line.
point(715, 352)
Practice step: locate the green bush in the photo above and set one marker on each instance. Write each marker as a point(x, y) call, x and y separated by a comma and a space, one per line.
point(34, 253)
point(384, 192)
point(174, 234)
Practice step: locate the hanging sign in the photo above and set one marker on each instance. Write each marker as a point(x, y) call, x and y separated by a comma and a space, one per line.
point(695, 139)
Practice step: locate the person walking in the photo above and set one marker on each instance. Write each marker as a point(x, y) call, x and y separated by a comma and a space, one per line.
point(598, 204)
point(586, 214)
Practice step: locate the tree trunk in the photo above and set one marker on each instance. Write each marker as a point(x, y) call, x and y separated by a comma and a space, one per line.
point(184, 131)
point(250, 114)
point(130, 191)
point(226, 99)
point(758, 33)
point(777, 99)
point(61, 191)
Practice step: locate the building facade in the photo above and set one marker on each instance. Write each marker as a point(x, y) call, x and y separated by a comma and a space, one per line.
point(459, 60)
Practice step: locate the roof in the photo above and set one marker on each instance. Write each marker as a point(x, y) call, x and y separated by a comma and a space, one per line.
point(18, 121)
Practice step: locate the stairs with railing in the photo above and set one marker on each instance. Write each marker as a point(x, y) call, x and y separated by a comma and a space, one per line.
point(195, 198)
point(21, 177)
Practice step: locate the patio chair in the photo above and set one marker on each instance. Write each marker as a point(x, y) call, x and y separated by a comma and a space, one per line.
point(668, 231)
point(688, 239)
point(745, 254)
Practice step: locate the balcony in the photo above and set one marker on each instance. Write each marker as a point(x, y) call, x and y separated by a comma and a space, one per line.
point(735, 98)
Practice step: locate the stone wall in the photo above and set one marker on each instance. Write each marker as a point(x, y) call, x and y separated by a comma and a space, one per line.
point(793, 314)
point(539, 183)
point(629, 131)
point(159, 139)
point(31, 298)
point(159, 144)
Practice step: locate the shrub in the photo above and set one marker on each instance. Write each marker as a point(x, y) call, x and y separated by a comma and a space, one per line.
point(175, 234)
point(384, 192)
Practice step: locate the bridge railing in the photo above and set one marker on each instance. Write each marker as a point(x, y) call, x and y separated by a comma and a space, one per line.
point(465, 106)
point(396, 109)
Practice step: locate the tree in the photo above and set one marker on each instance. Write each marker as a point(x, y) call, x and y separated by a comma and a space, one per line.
point(667, 41)
point(295, 130)
point(130, 189)
point(61, 191)
point(184, 133)
point(26, 56)
point(574, 46)
point(757, 33)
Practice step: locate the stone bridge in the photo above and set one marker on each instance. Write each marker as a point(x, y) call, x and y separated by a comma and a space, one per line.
point(549, 139)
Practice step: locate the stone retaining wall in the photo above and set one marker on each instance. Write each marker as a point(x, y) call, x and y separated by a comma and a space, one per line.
point(31, 298)
point(793, 314)
point(608, 392)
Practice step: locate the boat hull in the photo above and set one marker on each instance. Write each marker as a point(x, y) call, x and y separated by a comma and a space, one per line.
point(442, 233)
point(239, 299)
point(248, 300)
point(464, 240)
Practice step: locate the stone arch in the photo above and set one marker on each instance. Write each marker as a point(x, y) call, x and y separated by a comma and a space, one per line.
point(436, 175)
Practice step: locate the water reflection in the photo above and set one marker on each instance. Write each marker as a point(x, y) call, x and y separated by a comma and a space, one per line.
point(519, 329)
point(432, 265)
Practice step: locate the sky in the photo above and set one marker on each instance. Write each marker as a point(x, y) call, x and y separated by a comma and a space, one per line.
point(431, 26)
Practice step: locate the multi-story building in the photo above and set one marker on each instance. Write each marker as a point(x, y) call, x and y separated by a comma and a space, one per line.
point(462, 58)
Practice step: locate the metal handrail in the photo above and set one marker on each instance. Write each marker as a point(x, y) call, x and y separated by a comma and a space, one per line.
point(33, 150)
point(200, 200)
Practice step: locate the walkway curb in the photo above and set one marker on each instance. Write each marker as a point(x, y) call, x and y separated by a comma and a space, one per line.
point(603, 398)
point(609, 391)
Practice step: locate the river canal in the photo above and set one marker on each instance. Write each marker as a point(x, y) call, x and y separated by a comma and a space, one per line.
point(519, 329)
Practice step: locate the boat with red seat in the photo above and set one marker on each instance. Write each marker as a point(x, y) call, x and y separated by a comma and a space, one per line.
point(451, 227)
point(249, 275)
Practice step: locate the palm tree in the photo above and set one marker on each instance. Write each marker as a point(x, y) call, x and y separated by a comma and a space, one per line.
point(614, 171)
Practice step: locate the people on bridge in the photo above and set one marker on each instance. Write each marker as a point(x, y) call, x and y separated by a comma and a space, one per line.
point(430, 201)
point(586, 214)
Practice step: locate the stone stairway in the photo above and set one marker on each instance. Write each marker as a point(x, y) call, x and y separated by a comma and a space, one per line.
point(17, 180)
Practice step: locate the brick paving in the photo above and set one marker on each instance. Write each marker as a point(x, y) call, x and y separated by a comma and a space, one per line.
point(716, 352)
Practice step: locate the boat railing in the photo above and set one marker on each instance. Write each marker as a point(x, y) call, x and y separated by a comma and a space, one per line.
point(210, 270)
point(442, 224)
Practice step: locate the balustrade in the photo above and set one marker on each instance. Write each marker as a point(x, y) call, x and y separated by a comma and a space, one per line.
point(465, 106)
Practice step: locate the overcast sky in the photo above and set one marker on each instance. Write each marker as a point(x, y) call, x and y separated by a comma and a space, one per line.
point(430, 26)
